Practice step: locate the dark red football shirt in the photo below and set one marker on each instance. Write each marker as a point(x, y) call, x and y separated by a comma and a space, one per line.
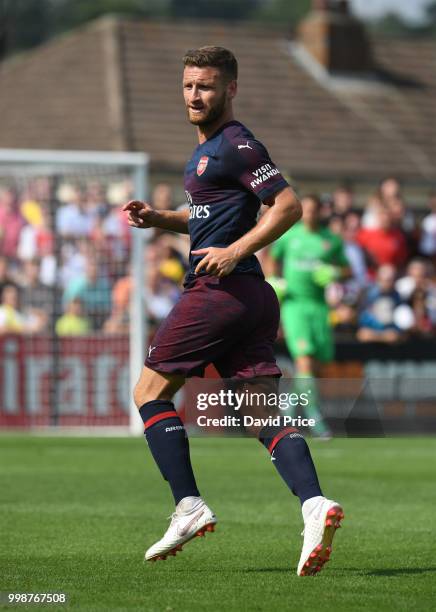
point(226, 180)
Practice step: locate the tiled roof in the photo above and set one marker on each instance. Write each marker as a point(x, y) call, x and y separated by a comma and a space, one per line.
point(56, 96)
point(116, 84)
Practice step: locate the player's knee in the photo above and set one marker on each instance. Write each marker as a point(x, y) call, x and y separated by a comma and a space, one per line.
point(138, 394)
point(145, 391)
point(155, 386)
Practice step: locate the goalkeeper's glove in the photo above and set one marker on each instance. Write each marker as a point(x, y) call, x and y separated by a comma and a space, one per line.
point(279, 285)
point(325, 274)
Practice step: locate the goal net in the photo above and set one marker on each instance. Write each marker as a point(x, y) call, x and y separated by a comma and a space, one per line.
point(72, 323)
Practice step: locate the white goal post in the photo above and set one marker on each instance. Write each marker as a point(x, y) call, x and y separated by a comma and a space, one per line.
point(20, 171)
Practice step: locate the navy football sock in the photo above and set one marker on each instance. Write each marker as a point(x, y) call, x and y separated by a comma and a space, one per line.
point(291, 457)
point(169, 445)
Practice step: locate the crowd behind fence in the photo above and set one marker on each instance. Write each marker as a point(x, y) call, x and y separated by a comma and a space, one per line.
point(66, 269)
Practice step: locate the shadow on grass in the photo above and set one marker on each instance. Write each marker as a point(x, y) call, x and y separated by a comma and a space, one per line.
point(241, 570)
point(293, 570)
point(332, 571)
point(267, 569)
point(382, 573)
point(401, 571)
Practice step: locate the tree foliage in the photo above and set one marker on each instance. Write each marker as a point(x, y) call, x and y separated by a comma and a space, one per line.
point(213, 9)
point(23, 23)
point(72, 13)
point(283, 12)
point(393, 25)
point(26, 23)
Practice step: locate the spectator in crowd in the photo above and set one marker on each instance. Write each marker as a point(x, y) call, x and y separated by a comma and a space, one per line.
point(347, 227)
point(111, 236)
point(419, 291)
point(326, 210)
point(74, 256)
point(427, 245)
point(162, 295)
point(76, 218)
point(423, 313)
point(36, 239)
point(11, 223)
point(118, 322)
point(383, 244)
point(389, 188)
point(391, 196)
point(417, 276)
point(37, 192)
point(101, 244)
point(12, 320)
point(343, 201)
point(36, 298)
point(93, 232)
point(164, 272)
point(342, 314)
point(343, 297)
point(370, 212)
point(162, 197)
point(30, 207)
point(402, 217)
point(37, 242)
point(94, 291)
point(335, 224)
point(377, 317)
point(165, 269)
point(73, 322)
point(5, 276)
point(172, 263)
point(113, 226)
point(97, 204)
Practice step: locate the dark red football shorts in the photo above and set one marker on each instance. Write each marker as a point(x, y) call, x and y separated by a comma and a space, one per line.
point(231, 322)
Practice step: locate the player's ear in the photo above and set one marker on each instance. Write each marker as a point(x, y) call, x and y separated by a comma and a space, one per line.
point(232, 89)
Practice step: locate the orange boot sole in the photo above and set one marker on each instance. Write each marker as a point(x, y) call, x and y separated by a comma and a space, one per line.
point(321, 554)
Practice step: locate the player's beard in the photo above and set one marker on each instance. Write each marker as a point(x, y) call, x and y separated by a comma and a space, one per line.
point(212, 115)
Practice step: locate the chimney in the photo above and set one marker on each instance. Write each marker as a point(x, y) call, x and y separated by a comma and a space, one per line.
point(335, 38)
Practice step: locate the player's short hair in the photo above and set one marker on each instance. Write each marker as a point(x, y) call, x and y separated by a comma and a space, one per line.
point(216, 57)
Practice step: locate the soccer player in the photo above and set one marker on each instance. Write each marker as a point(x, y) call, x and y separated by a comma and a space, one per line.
point(312, 256)
point(227, 315)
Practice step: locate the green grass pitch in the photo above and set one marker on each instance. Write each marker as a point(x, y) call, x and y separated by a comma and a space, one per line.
point(78, 513)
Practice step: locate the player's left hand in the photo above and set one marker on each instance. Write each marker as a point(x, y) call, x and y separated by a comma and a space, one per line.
point(216, 261)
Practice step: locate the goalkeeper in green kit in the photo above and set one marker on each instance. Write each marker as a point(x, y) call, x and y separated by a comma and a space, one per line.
point(312, 257)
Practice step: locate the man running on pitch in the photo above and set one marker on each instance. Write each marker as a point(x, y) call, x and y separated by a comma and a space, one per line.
point(227, 315)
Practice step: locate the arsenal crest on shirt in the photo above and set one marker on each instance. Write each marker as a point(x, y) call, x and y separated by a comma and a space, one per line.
point(202, 165)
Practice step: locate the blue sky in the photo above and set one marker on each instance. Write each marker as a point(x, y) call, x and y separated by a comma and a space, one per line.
point(410, 10)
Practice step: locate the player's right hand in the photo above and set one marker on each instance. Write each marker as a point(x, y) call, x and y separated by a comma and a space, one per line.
point(324, 274)
point(139, 214)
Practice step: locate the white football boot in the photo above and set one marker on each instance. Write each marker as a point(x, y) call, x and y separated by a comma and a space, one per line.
point(191, 518)
point(321, 519)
